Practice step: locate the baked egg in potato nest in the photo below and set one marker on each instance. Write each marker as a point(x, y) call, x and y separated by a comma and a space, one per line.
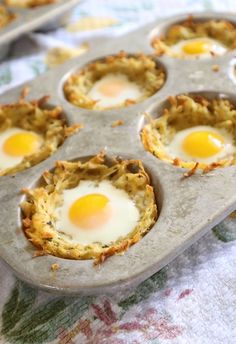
point(193, 129)
point(90, 210)
point(194, 38)
point(30, 132)
point(115, 81)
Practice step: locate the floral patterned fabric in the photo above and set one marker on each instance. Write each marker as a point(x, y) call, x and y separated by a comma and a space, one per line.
point(193, 299)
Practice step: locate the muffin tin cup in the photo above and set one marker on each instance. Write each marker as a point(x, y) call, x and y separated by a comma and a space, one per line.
point(188, 207)
point(45, 18)
point(232, 70)
point(163, 25)
point(57, 22)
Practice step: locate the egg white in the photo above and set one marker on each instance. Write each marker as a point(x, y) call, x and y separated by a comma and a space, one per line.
point(130, 91)
point(216, 48)
point(175, 150)
point(7, 161)
point(124, 218)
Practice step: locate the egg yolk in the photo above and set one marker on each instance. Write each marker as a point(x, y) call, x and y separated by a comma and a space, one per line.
point(21, 144)
point(203, 144)
point(90, 211)
point(112, 89)
point(196, 47)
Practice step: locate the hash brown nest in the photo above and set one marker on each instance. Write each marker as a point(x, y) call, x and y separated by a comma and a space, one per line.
point(29, 3)
point(183, 112)
point(140, 69)
point(36, 117)
point(5, 16)
point(220, 30)
point(39, 219)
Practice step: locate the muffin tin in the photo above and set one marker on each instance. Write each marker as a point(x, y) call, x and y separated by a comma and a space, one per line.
point(45, 17)
point(188, 207)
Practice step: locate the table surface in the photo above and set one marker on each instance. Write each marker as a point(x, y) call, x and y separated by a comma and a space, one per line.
point(193, 299)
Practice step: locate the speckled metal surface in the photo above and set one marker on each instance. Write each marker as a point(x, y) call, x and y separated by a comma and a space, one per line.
point(4, 50)
point(28, 19)
point(188, 207)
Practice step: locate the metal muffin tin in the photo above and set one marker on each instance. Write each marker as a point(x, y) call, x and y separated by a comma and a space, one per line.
point(45, 17)
point(188, 208)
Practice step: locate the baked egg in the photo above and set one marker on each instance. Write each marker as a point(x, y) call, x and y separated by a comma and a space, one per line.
point(95, 212)
point(115, 81)
point(193, 38)
point(29, 133)
point(90, 210)
point(198, 47)
point(193, 129)
point(204, 144)
point(16, 144)
point(114, 89)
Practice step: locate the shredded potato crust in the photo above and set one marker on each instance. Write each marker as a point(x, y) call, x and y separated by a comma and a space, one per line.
point(35, 116)
point(6, 16)
point(185, 111)
point(39, 219)
point(220, 30)
point(141, 69)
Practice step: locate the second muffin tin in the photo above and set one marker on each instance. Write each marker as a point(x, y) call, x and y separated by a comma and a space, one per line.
point(27, 19)
point(188, 207)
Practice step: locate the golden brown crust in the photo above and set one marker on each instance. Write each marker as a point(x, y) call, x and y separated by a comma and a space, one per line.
point(211, 167)
point(191, 172)
point(220, 30)
point(37, 117)
point(140, 69)
point(55, 267)
point(215, 68)
point(117, 123)
point(39, 219)
point(29, 3)
point(6, 16)
point(186, 111)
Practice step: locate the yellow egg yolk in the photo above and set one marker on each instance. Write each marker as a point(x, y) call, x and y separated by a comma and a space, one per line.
point(21, 144)
point(90, 211)
point(196, 47)
point(203, 144)
point(112, 89)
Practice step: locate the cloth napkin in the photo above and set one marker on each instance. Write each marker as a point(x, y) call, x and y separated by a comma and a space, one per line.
point(193, 299)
